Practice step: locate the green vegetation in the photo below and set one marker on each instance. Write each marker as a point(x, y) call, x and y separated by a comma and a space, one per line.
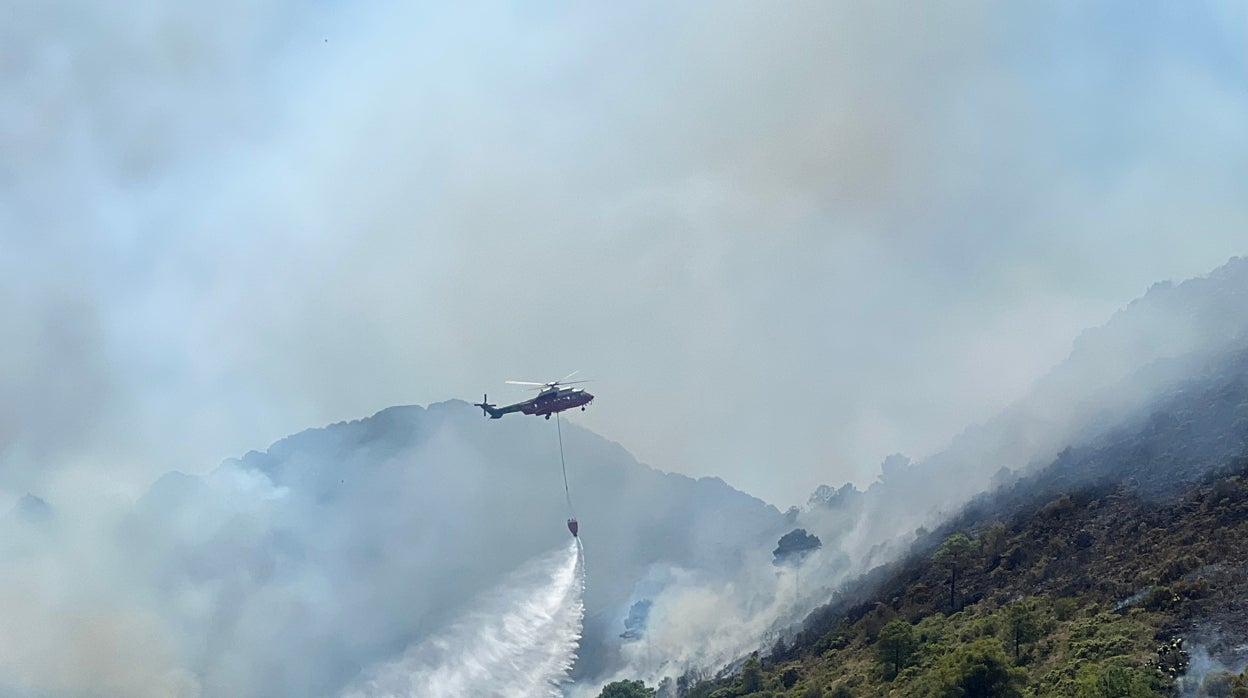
point(954, 554)
point(1085, 595)
point(752, 675)
point(896, 646)
point(626, 689)
point(1024, 648)
point(1022, 626)
point(978, 670)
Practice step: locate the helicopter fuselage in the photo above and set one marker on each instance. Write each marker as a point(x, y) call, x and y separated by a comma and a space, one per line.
point(547, 403)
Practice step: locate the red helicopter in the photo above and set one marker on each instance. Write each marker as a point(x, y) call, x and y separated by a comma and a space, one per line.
point(552, 397)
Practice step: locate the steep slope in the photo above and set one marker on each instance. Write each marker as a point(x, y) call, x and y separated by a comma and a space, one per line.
point(1099, 592)
point(1115, 517)
point(1176, 340)
point(340, 546)
point(1099, 575)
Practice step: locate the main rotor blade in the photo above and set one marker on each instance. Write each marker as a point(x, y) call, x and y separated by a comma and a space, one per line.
point(561, 380)
point(526, 383)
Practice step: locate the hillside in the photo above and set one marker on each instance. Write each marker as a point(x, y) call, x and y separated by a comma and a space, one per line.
point(1098, 592)
point(1152, 351)
point(1100, 575)
point(1109, 523)
point(288, 565)
point(293, 569)
point(1156, 394)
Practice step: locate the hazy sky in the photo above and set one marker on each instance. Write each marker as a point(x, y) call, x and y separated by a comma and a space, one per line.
point(785, 240)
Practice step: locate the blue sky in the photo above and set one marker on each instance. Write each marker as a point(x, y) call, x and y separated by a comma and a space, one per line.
point(786, 241)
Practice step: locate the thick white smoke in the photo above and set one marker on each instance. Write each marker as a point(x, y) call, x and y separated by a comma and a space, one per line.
point(519, 640)
point(1208, 676)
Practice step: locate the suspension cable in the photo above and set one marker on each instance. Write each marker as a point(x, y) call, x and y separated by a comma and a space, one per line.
point(563, 464)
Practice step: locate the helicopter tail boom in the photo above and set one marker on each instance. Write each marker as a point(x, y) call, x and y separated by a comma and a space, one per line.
point(488, 410)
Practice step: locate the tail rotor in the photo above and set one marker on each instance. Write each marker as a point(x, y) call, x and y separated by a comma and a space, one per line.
point(484, 405)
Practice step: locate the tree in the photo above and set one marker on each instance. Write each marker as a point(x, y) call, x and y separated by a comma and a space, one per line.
point(788, 677)
point(979, 670)
point(1239, 686)
point(992, 542)
point(1114, 682)
point(1022, 626)
point(752, 675)
point(626, 689)
point(635, 623)
point(896, 646)
point(955, 554)
point(794, 546)
point(779, 650)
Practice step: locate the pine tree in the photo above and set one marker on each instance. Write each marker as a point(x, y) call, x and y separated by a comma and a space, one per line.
point(955, 553)
point(896, 646)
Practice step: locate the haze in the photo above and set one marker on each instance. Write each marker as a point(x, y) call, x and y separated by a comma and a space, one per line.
point(785, 240)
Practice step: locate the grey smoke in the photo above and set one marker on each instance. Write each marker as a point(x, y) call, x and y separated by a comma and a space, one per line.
point(787, 243)
point(342, 557)
point(806, 238)
point(1207, 676)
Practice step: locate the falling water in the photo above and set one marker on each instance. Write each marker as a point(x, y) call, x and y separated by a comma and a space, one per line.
point(520, 640)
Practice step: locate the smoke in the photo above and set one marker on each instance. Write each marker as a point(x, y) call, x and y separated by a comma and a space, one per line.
point(517, 641)
point(80, 621)
point(698, 624)
point(1208, 676)
point(287, 215)
point(286, 573)
point(1169, 343)
point(787, 241)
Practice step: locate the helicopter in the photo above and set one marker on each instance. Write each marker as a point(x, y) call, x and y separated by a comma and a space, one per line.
point(552, 397)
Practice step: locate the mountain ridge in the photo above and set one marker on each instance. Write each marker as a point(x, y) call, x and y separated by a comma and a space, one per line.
point(1163, 435)
point(1096, 389)
point(421, 508)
